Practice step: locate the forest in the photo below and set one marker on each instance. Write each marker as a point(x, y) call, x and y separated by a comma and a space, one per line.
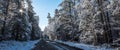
point(18, 21)
point(76, 25)
point(85, 21)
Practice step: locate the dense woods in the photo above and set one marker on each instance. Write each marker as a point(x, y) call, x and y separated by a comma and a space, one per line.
point(18, 20)
point(85, 21)
point(75, 25)
point(94, 22)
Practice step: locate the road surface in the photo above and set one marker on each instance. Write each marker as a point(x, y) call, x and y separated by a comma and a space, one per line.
point(51, 45)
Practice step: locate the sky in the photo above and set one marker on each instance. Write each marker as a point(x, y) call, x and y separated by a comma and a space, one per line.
point(42, 8)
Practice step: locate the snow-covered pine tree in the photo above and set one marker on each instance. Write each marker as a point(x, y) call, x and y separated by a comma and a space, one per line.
point(96, 20)
point(36, 32)
point(86, 11)
point(18, 20)
point(50, 29)
point(113, 9)
point(105, 21)
point(64, 22)
point(66, 19)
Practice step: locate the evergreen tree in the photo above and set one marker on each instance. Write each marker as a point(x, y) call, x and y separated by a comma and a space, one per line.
point(66, 19)
point(18, 20)
point(95, 20)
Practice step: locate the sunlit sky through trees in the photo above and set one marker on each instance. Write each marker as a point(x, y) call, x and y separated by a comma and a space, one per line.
point(42, 7)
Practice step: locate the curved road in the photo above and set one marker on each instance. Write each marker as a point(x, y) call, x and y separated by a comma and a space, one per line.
point(51, 45)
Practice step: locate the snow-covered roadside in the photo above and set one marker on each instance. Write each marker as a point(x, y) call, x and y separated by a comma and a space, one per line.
point(17, 45)
point(84, 46)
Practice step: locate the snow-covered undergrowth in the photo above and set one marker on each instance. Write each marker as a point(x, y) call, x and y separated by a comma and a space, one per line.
point(85, 46)
point(17, 45)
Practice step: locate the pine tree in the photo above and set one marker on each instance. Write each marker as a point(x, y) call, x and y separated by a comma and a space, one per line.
point(66, 19)
point(18, 20)
point(113, 12)
point(96, 17)
point(36, 32)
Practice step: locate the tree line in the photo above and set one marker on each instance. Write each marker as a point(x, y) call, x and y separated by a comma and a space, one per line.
point(18, 21)
point(85, 21)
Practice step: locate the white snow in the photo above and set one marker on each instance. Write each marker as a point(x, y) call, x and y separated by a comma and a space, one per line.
point(85, 46)
point(17, 45)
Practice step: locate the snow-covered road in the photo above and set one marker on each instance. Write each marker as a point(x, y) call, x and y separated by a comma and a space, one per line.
point(48, 45)
point(51, 45)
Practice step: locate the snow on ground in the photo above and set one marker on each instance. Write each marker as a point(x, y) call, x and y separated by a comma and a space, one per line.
point(17, 45)
point(85, 46)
